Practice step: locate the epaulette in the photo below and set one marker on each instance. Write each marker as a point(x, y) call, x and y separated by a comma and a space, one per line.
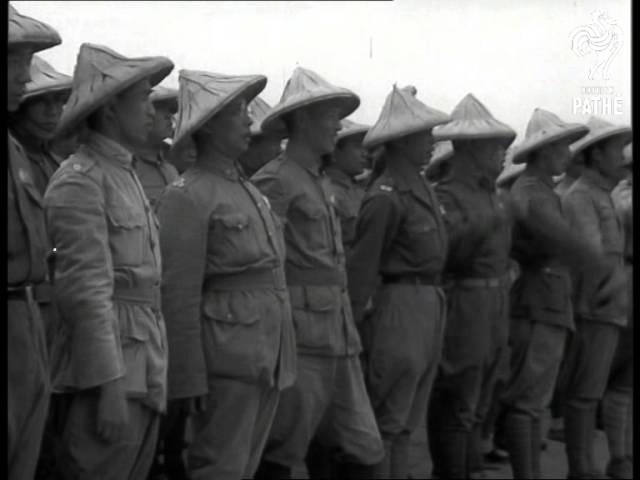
point(384, 184)
point(178, 183)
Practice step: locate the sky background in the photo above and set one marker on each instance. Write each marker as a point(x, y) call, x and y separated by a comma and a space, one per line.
point(514, 56)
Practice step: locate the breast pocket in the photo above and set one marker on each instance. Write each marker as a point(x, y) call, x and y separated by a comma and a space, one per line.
point(127, 230)
point(234, 238)
point(310, 220)
point(422, 234)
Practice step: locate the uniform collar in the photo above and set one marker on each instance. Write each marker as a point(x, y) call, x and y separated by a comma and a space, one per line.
point(533, 172)
point(153, 158)
point(227, 169)
point(28, 141)
point(406, 177)
point(108, 148)
point(594, 177)
point(304, 158)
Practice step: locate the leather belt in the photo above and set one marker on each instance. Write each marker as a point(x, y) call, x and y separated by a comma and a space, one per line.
point(246, 280)
point(412, 279)
point(38, 292)
point(315, 277)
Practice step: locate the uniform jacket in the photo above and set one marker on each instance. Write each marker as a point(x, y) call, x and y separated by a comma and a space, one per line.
point(348, 197)
point(544, 245)
point(107, 274)
point(43, 162)
point(478, 230)
point(315, 266)
point(155, 173)
point(592, 214)
point(400, 231)
point(224, 292)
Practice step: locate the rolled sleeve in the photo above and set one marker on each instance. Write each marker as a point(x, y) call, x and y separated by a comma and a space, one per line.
point(77, 227)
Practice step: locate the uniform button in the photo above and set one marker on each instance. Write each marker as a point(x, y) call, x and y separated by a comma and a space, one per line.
point(77, 167)
point(229, 316)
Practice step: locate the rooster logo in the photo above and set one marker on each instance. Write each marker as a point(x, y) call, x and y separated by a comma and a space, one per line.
point(602, 39)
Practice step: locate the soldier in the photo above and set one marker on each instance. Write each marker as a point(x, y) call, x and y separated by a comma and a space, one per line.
point(262, 147)
point(591, 213)
point(28, 283)
point(617, 404)
point(33, 126)
point(329, 397)
point(478, 277)
point(111, 347)
point(541, 311)
point(400, 236)
point(231, 339)
point(348, 161)
point(153, 170)
point(38, 116)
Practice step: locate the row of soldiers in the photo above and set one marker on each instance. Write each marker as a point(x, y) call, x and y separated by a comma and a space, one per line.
point(283, 311)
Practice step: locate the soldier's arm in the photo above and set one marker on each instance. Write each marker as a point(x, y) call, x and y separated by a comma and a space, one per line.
point(377, 224)
point(76, 224)
point(583, 218)
point(183, 244)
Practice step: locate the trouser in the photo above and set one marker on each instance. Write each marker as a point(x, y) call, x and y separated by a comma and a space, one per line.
point(85, 455)
point(402, 341)
point(536, 352)
point(229, 436)
point(28, 387)
point(48, 468)
point(329, 401)
point(474, 341)
point(589, 358)
point(171, 443)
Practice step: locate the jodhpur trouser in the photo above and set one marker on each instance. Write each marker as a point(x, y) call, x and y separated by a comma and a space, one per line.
point(402, 343)
point(328, 401)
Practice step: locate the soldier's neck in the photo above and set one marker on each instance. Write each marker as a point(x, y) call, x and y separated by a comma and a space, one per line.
point(302, 153)
point(209, 155)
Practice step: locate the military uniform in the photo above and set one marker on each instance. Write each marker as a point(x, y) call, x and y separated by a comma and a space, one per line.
point(108, 291)
point(348, 197)
point(28, 291)
point(477, 279)
point(155, 173)
point(228, 313)
point(329, 396)
point(592, 347)
point(401, 237)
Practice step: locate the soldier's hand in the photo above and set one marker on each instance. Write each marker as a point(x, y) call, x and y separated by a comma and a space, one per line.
point(113, 412)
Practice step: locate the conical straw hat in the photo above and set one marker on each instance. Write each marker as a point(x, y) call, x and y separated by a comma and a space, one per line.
point(402, 114)
point(45, 79)
point(599, 130)
point(258, 110)
point(203, 94)
point(100, 75)
point(166, 95)
point(27, 32)
point(305, 88)
point(350, 128)
point(544, 128)
point(471, 120)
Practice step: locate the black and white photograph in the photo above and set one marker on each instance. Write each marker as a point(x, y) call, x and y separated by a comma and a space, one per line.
point(375, 239)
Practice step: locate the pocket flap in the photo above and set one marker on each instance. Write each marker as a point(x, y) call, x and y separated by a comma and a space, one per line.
point(238, 221)
point(125, 217)
point(322, 299)
point(222, 307)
